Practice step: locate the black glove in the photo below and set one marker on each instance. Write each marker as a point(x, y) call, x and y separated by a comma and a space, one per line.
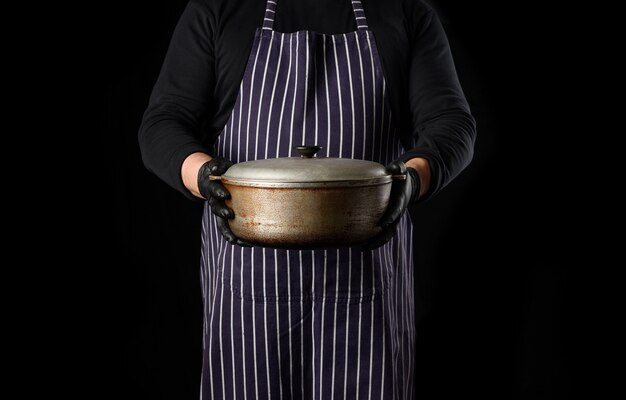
point(403, 193)
point(216, 193)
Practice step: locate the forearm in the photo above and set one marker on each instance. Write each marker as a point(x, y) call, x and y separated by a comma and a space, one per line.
point(189, 171)
point(168, 135)
point(447, 143)
point(422, 167)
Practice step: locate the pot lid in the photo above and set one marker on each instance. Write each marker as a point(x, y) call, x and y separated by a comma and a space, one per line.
point(306, 169)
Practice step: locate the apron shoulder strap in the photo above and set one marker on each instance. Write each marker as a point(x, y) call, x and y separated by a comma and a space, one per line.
point(270, 12)
point(359, 15)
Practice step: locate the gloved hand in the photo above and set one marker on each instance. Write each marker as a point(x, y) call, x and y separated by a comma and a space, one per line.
point(216, 193)
point(403, 193)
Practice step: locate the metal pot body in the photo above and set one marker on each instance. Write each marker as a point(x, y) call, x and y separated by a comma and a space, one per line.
point(307, 202)
point(308, 216)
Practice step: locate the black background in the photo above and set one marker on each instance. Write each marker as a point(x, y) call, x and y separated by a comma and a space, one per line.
point(493, 289)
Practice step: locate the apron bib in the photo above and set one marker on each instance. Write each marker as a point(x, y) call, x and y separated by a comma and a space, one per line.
point(317, 324)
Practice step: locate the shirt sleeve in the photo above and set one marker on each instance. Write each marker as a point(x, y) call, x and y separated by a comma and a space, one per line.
point(443, 130)
point(171, 128)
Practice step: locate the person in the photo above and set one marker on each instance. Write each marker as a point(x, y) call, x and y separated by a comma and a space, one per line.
point(251, 79)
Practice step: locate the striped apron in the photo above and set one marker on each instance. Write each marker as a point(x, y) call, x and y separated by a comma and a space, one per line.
point(320, 324)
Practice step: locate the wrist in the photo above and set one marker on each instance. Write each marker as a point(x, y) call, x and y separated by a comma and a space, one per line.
point(422, 167)
point(189, 171)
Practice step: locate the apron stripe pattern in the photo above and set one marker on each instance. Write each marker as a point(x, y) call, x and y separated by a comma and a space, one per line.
point(322, 324)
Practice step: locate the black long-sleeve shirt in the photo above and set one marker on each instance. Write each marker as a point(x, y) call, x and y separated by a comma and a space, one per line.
point(198, 84)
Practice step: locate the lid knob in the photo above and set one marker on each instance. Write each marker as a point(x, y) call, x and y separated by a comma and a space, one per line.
point(307, 151)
